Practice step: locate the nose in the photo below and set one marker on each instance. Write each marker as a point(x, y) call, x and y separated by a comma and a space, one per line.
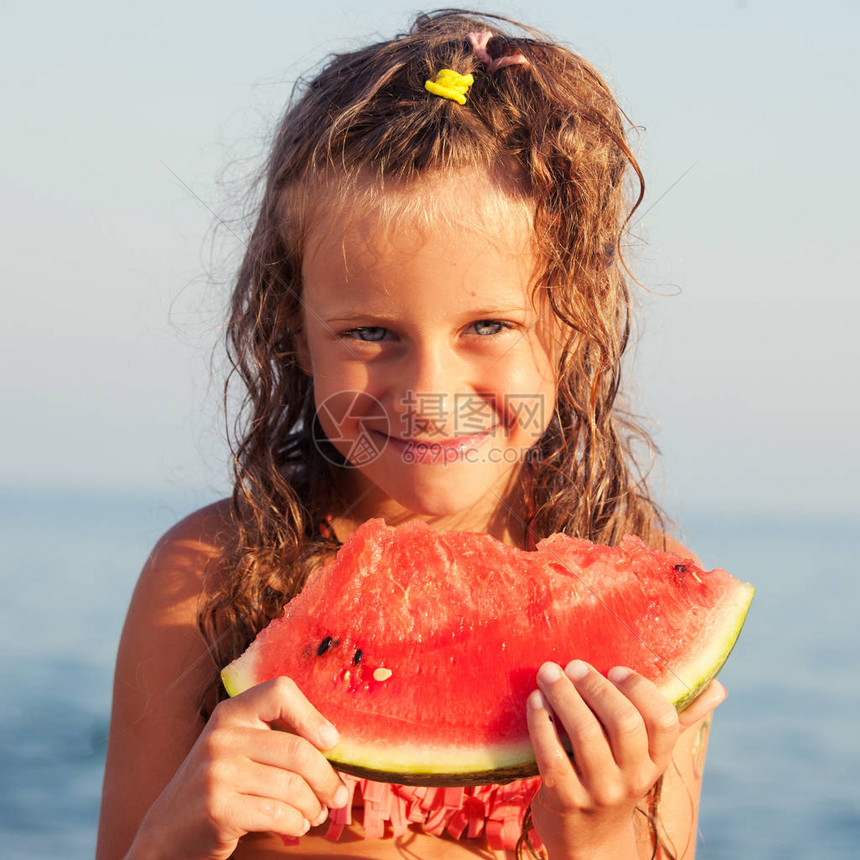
point(426, 386)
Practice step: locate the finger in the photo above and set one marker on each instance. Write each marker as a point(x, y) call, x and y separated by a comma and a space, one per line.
point(263, 814)
point(592, 756)
point(557, 774)
point(713, 695)
point(292, 753)
point(287, 752)
point(624, 726)
point(260, 780)
point(281, 704)
point(658, 714)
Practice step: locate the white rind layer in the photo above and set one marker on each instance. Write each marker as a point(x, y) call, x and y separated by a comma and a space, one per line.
point(240, 675)
point(414, 758)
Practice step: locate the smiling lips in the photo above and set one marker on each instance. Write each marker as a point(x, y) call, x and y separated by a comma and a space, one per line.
point(450, 447)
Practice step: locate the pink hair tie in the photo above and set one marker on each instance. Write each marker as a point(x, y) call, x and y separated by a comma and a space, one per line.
point(479, 43)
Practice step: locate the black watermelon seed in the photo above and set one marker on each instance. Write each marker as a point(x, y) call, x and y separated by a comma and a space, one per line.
point(356, 658)
point(324, 646)
point(681, 568)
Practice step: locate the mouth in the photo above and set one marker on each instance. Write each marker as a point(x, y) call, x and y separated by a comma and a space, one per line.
point(451, 447)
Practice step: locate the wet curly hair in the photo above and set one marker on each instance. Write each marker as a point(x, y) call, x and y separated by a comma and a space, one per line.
point(552, 128)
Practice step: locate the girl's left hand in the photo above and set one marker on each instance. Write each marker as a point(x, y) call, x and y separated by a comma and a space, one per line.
point(622, 733)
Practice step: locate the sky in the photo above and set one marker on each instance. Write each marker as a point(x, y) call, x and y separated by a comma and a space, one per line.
point(131, 130)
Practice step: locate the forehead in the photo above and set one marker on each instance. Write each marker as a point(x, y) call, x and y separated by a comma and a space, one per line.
point(364, 212)
point(462, 221)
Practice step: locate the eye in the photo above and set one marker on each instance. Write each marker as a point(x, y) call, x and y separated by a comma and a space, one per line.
point(490, 327)
point(368, 334)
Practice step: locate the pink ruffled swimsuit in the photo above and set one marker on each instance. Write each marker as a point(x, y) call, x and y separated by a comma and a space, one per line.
point(492, 811)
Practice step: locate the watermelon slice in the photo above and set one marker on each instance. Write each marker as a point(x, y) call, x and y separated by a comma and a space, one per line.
point(422, 647)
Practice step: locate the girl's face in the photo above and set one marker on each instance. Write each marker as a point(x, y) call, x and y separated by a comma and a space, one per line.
point(433, 373)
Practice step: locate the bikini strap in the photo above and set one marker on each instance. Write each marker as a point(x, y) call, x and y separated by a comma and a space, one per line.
point(327, 530)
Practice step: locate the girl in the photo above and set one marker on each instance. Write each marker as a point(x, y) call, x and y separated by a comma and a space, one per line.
point(429, 323)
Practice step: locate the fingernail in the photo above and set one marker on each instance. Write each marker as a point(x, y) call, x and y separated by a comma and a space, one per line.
point(549, 673)
point(328, 735)
point(321, 817)
point(306, 825)
point(619, 674)
point(537, 702)
point(576, 670)
point(341, 797)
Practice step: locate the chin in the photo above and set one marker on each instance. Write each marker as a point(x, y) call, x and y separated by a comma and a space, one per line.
point(445, 493)
point(445, 507)
point(429, 501)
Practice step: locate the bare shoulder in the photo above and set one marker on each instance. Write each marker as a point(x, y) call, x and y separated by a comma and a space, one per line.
point(173, 576)
point(162, 670)
point(170, 586)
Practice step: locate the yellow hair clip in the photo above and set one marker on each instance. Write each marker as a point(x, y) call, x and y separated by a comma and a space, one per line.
point(450, 85)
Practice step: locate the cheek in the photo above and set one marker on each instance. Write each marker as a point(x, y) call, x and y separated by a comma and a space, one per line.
point(525, 392)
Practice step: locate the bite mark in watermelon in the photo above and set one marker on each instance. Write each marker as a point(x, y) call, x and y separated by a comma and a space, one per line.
point(422, 647)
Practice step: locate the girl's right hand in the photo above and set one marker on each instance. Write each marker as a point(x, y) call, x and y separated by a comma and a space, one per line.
point(242, 775)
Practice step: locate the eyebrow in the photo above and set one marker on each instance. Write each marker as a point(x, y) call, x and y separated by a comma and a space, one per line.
point(351, 314)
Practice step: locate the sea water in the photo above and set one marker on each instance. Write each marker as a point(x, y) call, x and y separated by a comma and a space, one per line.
point(784, 758)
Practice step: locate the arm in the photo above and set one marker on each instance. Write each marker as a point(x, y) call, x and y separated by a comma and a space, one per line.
point(679, 797)
point(197, 789)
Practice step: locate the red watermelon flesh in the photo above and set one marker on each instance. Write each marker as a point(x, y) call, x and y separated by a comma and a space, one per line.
point(422, 647)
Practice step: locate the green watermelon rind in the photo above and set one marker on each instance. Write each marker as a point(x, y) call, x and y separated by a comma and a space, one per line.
point(705, 667)
point(418, 764)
